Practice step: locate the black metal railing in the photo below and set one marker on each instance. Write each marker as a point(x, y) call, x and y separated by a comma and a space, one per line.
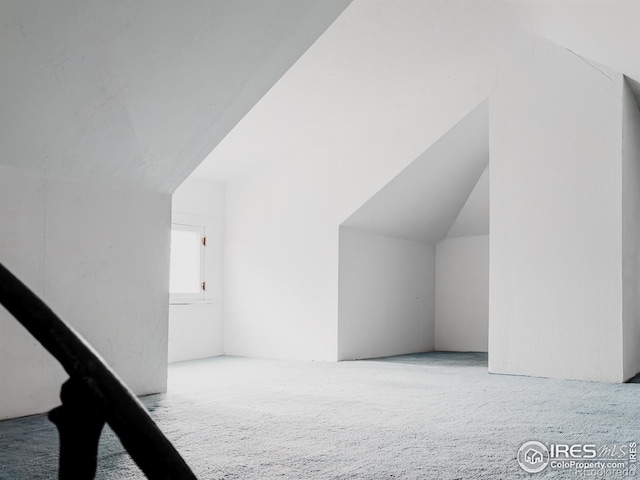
point(93, 396)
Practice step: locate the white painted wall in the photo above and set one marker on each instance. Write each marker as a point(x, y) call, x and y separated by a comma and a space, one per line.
point(358, 107)
point(386, 295)
point(462, 276)
point(631, 232)
point(196, 329)
point(99, 257)
point(462, 294)
point(383, 83)
point(281, 228)
point(281, 233)
point(556, 232)
point(118, 98)
point(446, 187)
point(281, 267)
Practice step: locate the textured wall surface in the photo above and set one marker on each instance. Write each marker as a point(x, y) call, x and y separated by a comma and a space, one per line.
point(462, 294)
point(100, 258)
point(104, 103)
point(386, 295)
point(631, 232)
point(556, 231)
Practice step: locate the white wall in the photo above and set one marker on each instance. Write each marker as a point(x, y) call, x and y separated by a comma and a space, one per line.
point(555, 273)
point(338, 127)
point(281, 230)
point(631, 232)
point(462, 276)
point(281, 267)
point(196, 329)
point(99, 257)
point(349, 116)
point(386, 295)
point(118, 96)
point(462, 294)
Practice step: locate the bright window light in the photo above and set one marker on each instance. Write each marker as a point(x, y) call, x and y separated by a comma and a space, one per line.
point(186, 281)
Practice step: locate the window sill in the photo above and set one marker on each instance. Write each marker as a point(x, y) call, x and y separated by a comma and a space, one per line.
point(192, 302)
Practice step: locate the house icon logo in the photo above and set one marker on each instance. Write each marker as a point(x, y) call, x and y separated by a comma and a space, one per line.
point(533, 457)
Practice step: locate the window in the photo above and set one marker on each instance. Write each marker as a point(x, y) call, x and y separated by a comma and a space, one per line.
point(186, 279)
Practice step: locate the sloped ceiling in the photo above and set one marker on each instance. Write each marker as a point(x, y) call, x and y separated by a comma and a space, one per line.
point(473, 218)
point(376, 58)
point(603, 31)
point(423, 201)
point(379, 54)
point(140, 91)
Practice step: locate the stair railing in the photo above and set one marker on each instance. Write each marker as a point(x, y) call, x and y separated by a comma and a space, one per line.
point(92, 396)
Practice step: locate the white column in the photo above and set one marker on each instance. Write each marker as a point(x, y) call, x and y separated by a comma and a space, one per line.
point(556, 219)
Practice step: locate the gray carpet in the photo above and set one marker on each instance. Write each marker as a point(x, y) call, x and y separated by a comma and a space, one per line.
point(437, 415)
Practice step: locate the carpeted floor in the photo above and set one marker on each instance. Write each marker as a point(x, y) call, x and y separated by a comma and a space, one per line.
point(436, 415)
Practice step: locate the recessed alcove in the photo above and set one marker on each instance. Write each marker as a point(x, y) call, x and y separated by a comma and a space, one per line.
point(414, 259)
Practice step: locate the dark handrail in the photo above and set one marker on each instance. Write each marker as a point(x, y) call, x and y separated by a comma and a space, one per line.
point(93, 386)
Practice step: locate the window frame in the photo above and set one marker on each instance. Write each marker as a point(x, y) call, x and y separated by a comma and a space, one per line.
point(176, 298)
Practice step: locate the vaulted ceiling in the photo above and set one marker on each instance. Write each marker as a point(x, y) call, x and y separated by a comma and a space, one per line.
point(424, 200)
point(140, 91)
point(381, 54)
